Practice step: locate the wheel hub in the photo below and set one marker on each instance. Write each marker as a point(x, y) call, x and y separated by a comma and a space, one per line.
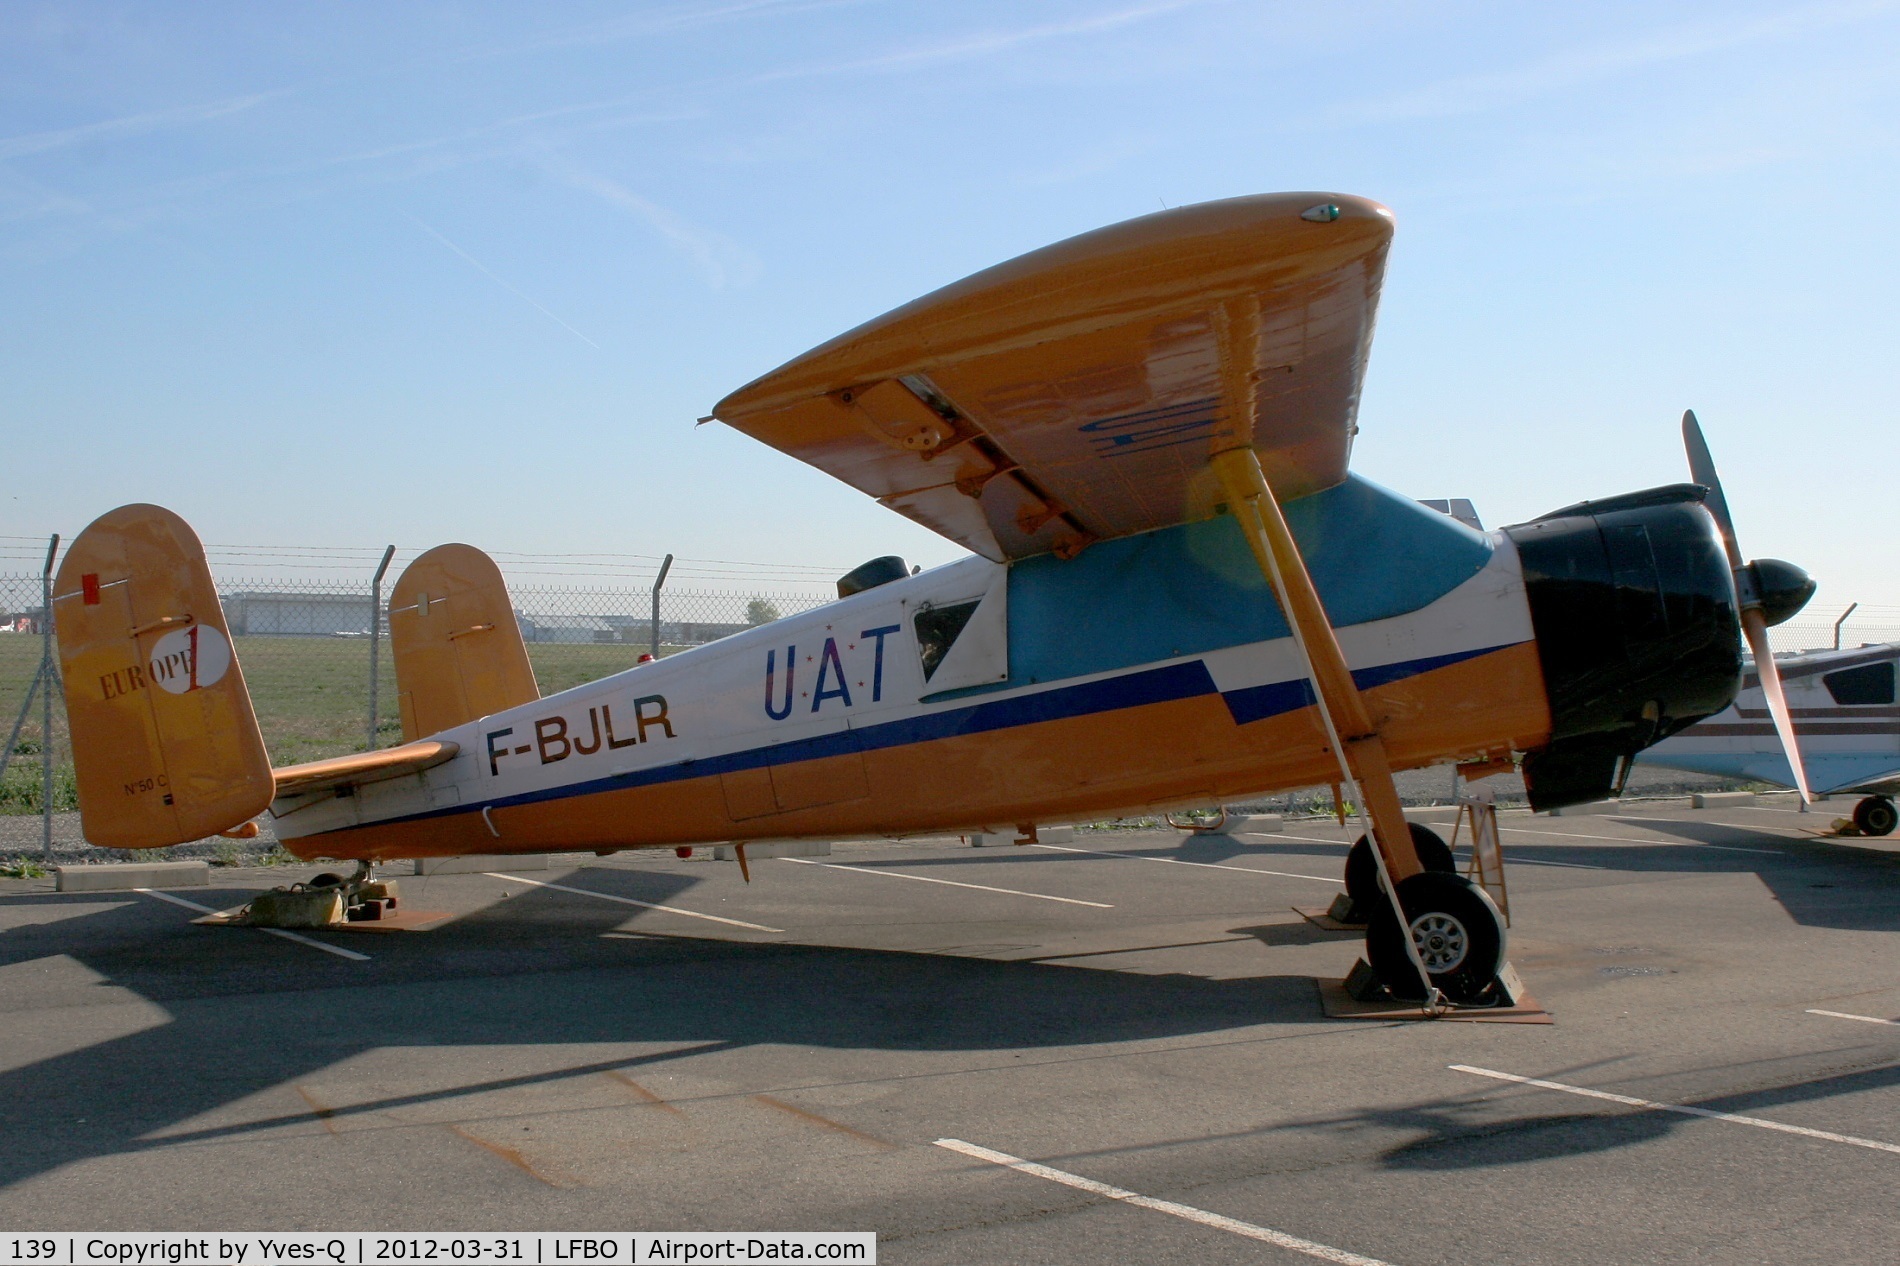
point(1441, 940)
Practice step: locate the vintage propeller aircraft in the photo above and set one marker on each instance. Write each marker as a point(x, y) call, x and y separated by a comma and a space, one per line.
point(1842, 703)
point(1178, 595)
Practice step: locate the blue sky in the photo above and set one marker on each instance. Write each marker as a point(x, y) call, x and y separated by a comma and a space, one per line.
point(337, 275)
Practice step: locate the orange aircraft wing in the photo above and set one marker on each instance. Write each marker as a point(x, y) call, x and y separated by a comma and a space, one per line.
point(1076, 393)
point(363, 767)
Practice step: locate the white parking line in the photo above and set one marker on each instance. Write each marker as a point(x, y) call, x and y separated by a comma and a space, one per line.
point(1633, 1102)
point(1848, 1015)
point(1312, 839)
point(629, 901)
point(1726, 848)
point(926, 879)
point(1624, 839)
point(1324, 1252)
point(338, 950)
point(1539, 861)
point(1175, 861)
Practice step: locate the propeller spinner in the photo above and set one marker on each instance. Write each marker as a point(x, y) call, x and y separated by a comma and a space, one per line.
point(1768, 590)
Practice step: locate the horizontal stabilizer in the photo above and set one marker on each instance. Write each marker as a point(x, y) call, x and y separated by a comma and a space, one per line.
point(363, 767)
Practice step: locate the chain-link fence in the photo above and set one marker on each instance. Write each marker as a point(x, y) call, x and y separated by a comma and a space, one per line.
point(305, 649)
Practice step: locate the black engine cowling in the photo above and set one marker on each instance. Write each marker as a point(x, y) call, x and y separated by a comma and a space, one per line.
point(1635, 611)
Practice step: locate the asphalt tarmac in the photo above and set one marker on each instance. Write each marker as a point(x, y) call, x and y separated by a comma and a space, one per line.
point(655, 1045)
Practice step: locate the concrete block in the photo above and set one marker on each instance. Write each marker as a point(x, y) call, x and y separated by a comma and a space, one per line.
point(1248, 824)
point(1720, 799)
point(122, 876)
point(755, 849)
point(1432, 814)
point(480, 863)
point(1594, 809)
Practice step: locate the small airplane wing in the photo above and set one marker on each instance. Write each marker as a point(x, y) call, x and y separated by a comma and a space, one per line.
point(1076, 393)
point(363, 767)
point(1886, 783)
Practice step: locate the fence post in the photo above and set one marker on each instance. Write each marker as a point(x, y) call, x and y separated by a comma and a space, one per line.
point(375, 636)
point(1841, 621)
point(46, 701)
point(658, 581)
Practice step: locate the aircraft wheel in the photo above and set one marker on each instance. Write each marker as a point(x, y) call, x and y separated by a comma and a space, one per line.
point(1876, 815)
point(328, 879)
point(1458, 931)
point(1362, 873)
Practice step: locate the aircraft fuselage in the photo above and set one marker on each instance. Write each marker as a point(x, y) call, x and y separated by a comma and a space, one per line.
point(1148, 672)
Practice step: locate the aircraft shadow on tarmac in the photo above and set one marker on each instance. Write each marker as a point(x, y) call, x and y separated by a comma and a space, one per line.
point(1452, 1140)
point(1820, 882)
point(247, 1013)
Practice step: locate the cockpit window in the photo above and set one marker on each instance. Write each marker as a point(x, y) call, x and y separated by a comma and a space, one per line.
point(937, 630)
point(1870, 683)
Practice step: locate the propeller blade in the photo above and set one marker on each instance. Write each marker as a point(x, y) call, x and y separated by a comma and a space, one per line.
point(1748, 582)
point(1702, 470)
point(1755, 625)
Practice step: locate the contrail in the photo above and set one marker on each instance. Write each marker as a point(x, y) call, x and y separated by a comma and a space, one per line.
point(504, 285)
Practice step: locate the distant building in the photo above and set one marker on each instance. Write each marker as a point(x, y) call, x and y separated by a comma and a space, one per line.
point(672, 632)
point(569, 629)
point(263, 614)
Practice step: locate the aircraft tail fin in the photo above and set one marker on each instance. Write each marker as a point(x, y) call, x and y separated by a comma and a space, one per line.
point(165, 743)
point(456, 642)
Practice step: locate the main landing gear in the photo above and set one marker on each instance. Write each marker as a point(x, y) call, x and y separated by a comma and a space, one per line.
point(1457, 931)
point(1362, 873)
point(1456, 927)
point(1876, 815)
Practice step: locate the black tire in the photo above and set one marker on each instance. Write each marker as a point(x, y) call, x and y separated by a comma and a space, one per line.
point(1876, 816)
point(1362, 873)
point(1459, 932)
point(328, 879)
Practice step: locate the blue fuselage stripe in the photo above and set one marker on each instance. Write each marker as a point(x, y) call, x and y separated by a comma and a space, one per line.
point(1256, 703)
point(1151, 686)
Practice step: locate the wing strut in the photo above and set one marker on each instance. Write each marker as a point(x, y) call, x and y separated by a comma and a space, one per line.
point(1355, 740)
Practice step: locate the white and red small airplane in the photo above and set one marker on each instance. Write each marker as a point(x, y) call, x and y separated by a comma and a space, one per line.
point(1844, 709)
point(1178, 595)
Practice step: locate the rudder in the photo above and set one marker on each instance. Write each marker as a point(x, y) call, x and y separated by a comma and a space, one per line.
point(166, 747)
point(457, 646)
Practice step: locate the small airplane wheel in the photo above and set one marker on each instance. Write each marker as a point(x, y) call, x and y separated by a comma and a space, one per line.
point(328, 879)
point(1362, 873)
point(1458, 931)
point(1876, 816)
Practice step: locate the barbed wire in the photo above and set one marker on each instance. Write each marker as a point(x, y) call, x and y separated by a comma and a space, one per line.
point(340, 560)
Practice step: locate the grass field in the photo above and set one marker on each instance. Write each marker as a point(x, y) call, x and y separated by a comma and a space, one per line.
point(311, 696)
